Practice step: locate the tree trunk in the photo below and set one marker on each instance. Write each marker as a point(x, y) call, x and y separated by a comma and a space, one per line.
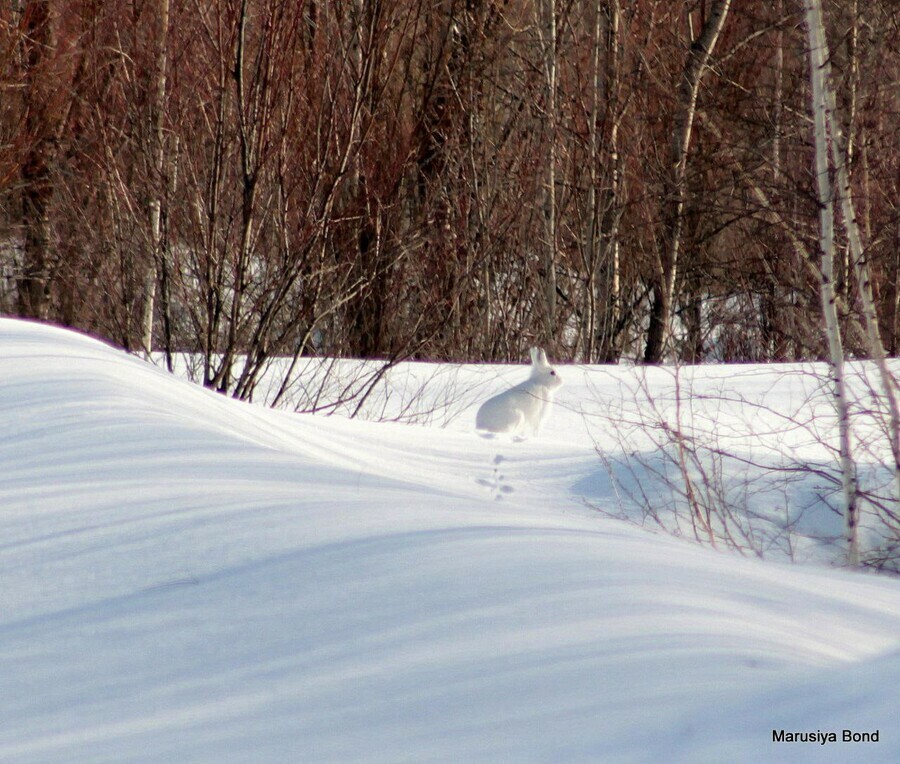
point(157, 157)
point(33, 281)
point(548, 37)
point(675, 191)
point(840, 159)
point(776, 346)
point(613, 212)
point(601, 236)
point(817, 62)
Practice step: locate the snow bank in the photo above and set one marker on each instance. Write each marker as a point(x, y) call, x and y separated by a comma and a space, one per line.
point(188, 578)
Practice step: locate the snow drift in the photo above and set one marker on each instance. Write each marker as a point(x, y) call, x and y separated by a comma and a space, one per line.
point(188, 578)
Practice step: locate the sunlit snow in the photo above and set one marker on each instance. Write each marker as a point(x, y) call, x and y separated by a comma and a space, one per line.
point(187, 578)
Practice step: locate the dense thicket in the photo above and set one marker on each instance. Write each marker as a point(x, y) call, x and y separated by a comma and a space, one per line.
point(451, 179)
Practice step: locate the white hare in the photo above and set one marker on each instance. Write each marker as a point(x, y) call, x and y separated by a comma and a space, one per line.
point(522, 408)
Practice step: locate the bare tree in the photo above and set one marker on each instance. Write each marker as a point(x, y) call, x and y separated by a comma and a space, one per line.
point(818, 74)
point(546, 25)
point(675, 189)
point(41, 125)
point(157, 145)
point(599, 244)
point(840, 156)
point(262, 177)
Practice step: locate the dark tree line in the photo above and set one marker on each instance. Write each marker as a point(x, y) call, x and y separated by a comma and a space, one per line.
point(450, 179)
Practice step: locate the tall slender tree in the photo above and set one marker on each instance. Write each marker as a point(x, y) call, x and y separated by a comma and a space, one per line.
point(42, 125)
point(157, 152)
point(818, 57)
point(696, 65)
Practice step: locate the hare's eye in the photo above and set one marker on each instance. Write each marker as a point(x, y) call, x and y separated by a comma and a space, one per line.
point(552, 373)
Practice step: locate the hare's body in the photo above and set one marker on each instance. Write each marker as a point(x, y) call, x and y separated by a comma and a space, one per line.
point(516, 411)
point(522, 409)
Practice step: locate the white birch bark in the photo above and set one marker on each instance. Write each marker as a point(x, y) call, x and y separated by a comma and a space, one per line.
point(611, 232)
point(840, 159)
point(695, 67)
point(157, 155)
point(548, 37)
point(591, 234)
point(697, 64)
point(601, 240)
point(817, 62)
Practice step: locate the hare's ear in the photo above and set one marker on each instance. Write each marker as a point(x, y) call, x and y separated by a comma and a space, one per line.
point(539, 357)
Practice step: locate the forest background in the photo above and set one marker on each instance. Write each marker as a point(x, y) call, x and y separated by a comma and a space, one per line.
point(441, 179)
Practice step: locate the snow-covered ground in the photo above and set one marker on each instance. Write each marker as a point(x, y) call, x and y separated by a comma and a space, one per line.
point(188, 578)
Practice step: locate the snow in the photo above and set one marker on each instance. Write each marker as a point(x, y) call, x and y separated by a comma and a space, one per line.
point(190, 578)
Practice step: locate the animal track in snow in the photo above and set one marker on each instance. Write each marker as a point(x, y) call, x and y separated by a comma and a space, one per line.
point(497, 481)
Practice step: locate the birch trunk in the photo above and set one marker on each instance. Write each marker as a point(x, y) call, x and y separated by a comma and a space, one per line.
point(860, 265)
point(250, 123)
point(591, 234)
point(33, 281)
point(157, 152)
point(609, 213)
point(548, 36)
point(695, 67)
point(600, 238)
point(776, 346)
point(615, 162)
point(818, 63)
